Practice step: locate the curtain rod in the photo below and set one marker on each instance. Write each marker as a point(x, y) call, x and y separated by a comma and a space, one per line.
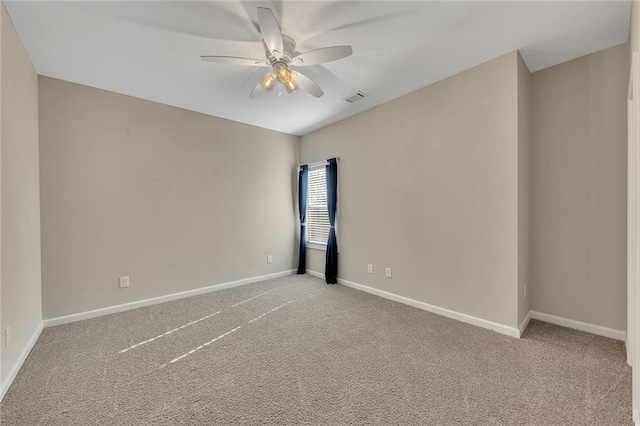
point(319, 163)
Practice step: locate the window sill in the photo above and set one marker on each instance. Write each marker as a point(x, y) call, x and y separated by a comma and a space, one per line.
point(317, 246)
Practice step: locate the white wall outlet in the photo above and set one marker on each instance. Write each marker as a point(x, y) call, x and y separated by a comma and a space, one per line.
point(269, 259)
point(370, 268)
point(124, 282)
point(7, 336)
point(387, 272)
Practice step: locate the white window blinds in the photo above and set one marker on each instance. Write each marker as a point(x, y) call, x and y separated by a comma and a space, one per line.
point(317, 214)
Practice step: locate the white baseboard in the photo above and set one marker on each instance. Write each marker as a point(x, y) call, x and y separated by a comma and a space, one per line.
point(500, 328)
point(579, 325)
point(315, 274)
point(523, 325)
point(160, 299)
point(4, 387)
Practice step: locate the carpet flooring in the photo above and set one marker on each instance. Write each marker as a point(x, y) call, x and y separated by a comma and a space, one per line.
point(296, 351)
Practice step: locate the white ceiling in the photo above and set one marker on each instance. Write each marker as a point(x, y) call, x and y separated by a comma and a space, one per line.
point(151, 49)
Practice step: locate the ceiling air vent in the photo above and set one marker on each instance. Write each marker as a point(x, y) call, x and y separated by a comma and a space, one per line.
point(356, 97)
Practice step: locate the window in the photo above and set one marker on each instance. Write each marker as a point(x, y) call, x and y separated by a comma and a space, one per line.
point(317, 214)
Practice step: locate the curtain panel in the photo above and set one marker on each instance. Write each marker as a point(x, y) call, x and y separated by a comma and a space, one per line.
point(331, 263)
point(302, 207)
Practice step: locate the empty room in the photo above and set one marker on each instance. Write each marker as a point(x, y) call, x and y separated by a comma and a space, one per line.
point(319, 212)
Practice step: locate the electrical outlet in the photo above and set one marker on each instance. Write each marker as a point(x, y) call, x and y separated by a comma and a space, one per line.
point(370, 268)
point(124, 282)
point(269, 259)
point(388, 272)
point(7, 336)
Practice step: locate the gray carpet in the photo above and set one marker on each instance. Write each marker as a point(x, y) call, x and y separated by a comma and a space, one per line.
point(296, 351)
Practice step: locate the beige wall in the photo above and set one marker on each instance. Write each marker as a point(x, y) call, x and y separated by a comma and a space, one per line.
point(578, 160)
point(20, 276)
point(524, 185)
point(174, 199)
point(428, 185)
point(633, 331)
point(634, 36)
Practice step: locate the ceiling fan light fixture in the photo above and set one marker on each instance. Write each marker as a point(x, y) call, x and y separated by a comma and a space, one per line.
point(291, 86)
point(283, 73)
point(268, 81)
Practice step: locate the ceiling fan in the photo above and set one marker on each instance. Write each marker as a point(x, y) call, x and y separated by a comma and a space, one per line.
point(281, 57)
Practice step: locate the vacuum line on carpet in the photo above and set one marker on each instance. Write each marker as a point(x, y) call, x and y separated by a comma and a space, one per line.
point(251, 298)
point(223, 335)
point(204, 345)
point(168, 332)
point(191, 323)
point(267, 313)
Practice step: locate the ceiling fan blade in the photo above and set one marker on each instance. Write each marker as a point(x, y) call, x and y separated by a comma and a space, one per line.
point(270, 31)
point(307, 84)
point(322, 56)
point(234, 60)
point(260, 88)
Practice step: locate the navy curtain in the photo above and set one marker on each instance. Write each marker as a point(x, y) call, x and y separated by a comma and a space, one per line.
point(302, 205)
point(331, 264)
